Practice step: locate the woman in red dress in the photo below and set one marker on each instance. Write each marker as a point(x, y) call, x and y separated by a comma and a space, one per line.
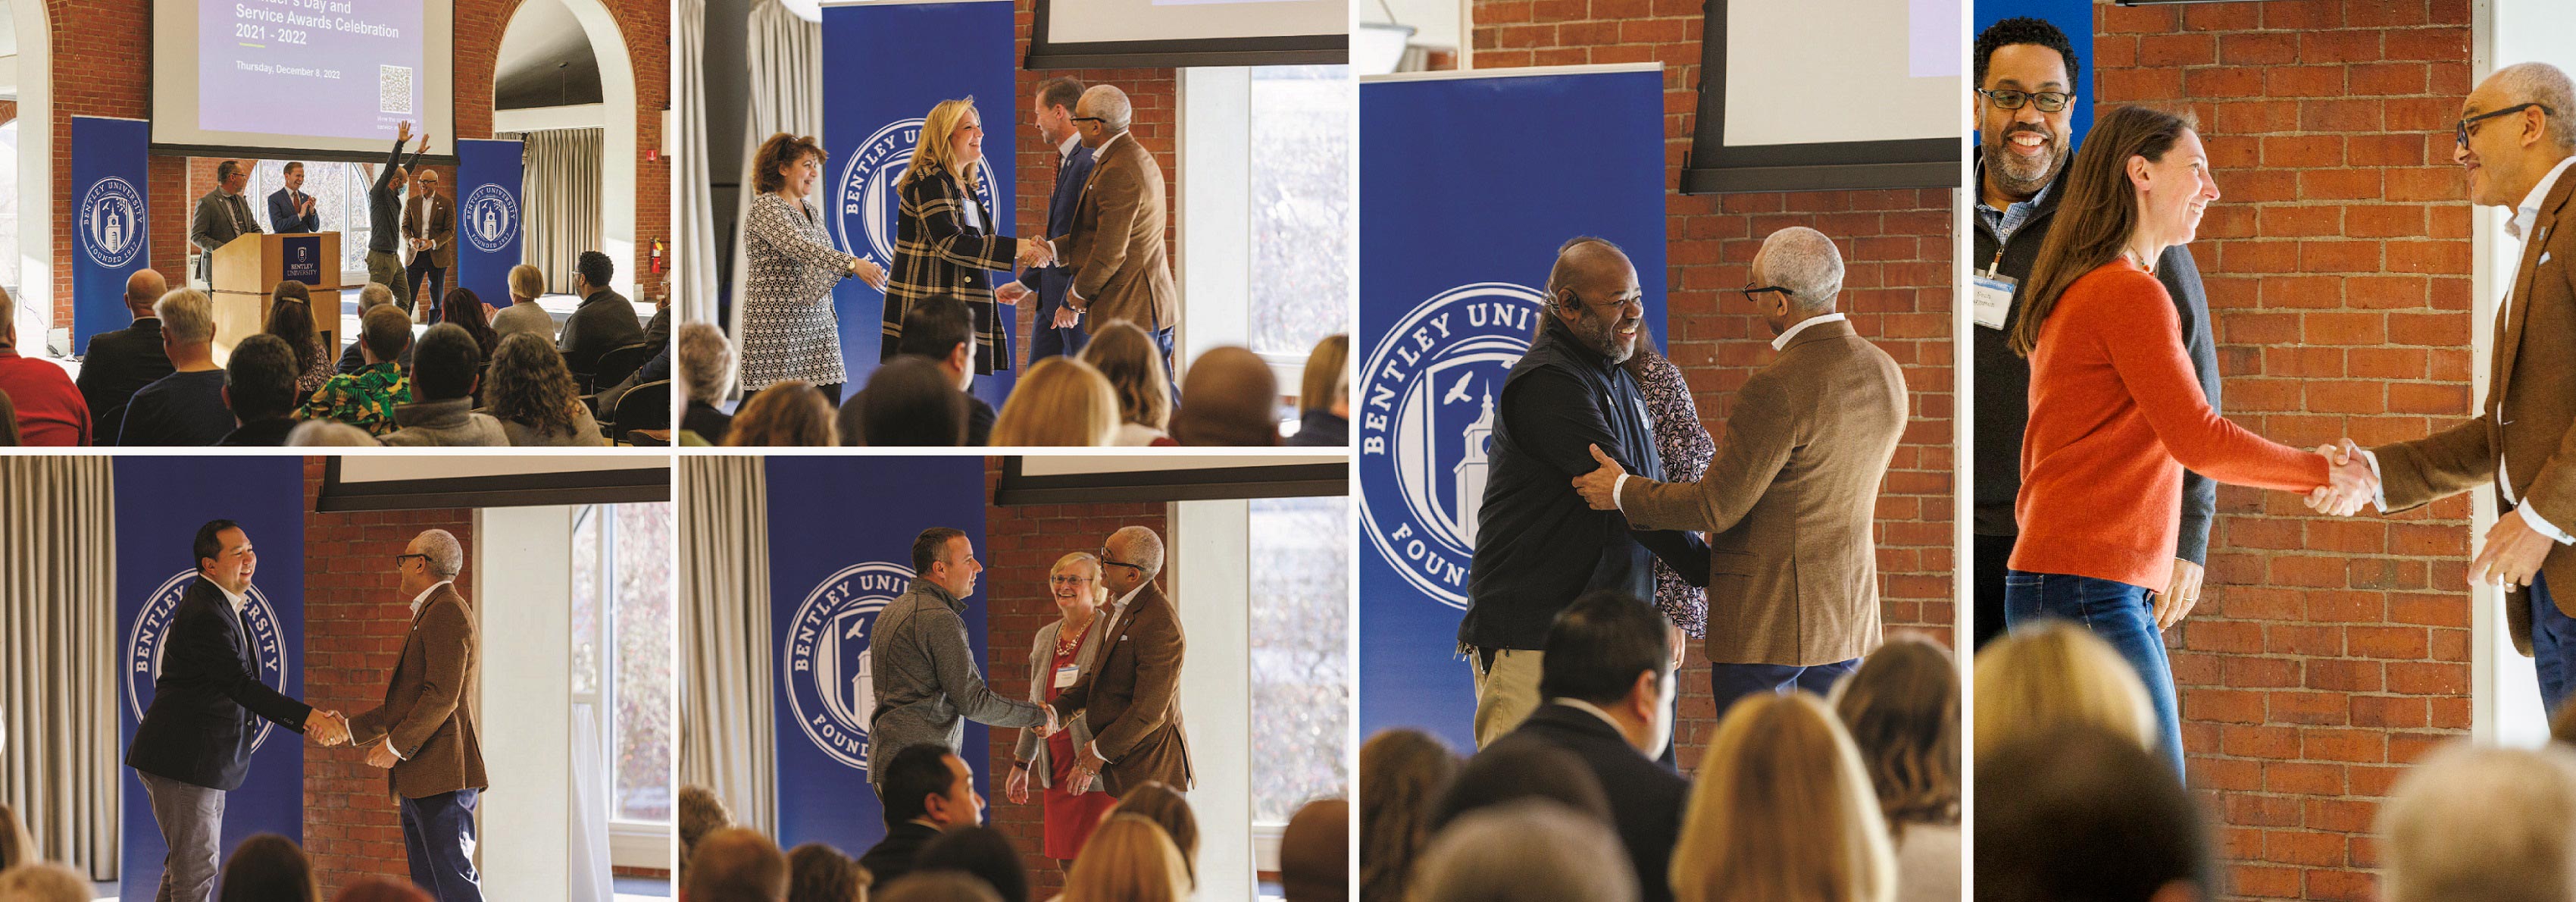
point(1062, 653)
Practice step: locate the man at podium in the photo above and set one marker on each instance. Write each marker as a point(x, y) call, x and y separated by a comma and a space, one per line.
point(222, 215)
point(290, 210)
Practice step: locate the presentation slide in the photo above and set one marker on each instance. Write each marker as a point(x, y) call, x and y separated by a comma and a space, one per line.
point(1890, 78)
point(301, 75)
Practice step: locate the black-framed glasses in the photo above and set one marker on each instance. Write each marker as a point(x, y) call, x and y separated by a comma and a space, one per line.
point(1103, 122)
point(399, 558)
point(2048, 101)
point(1107, 561)
point(1750, 292)
point(2460, 130)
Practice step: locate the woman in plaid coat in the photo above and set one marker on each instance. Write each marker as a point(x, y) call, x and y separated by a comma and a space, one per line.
point(945, 241)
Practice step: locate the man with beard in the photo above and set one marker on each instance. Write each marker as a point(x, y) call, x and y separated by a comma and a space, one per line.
point(2025, 98)
point(1538, 545)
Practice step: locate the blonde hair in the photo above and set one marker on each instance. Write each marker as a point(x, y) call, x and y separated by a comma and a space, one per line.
point(187, 314)
point(2057, 673)
point(1782, 812)
point(936, 131)
point(527, 282)
point(1127, 357)
point(1325, 377)
point(44, 881)
point(2481, 825)
point(1062, 402)
point(1129, 859)
point(1099, 590)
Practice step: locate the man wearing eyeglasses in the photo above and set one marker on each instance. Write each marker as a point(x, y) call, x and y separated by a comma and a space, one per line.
point(1130, 698)
point(2516, 138)
point(923, 667)
point(1538, 546)
point(2025, 102)
point(424, 732)
point(1115, 246)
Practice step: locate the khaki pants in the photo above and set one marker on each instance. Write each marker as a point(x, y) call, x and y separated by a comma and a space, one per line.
point(387, 270)
point(1506, 693)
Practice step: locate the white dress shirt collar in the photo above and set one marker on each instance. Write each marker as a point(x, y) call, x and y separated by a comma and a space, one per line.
point(2529, 210)
point(236, 599)
point(423, 597)
point(1782, 343)
point(1064, 149)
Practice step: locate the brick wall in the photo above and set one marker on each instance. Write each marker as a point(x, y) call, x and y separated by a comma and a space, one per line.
point(1021, 543)
point(2326, 653)
point(101, 59)
point(1896, 251)
point(355, 621)
point(8, 111)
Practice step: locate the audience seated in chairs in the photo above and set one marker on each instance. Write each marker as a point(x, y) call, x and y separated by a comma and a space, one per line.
point(1522, 771)
point(2075, 810)
point(700, 813)
point(911, 401)
point(1129, 859)
point(329, 434)
point(465, 309)
point(2037, 678)
point(790, 414)
point(375, 888)
point(1127, 357)
point(605, 320)
point(705, 369)
point(941, 330)
point(1530, 850)
point(1403, 773)
point(259, 387)
point(533, 396)
point(118, 363)
point(269, 868)
point(1315, 853)
point(980, 852)
point(656, 368)
point(1782, 809)
point(291, 317)
point(441, 413)
point(49, 408)
point(353, 356)
point(185, 408)
point(735, 865)
point(1062, 402)
point(1230, 397)
point(1901, 708)
point(2482, 824)
point(367, 398)
point(816, 872)
point(1324, 396)
point(939, 886)
point(1157, 801)
point(527, 284)
point(43, 882)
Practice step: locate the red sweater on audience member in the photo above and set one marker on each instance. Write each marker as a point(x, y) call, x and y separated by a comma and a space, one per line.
point(2115, 416)
point(50, 409)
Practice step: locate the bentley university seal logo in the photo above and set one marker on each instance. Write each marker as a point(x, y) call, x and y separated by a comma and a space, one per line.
point(111, 222)
point(491, 218)
point(867, 199)
point(825, 664)
point(142, 661)
point(1428, 417)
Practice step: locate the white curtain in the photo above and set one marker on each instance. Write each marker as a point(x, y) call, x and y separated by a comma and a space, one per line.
point(563, 201)
point(590, 777)
point(58, 739)
point(693, 216)
point(785, 55)
point(726, 729)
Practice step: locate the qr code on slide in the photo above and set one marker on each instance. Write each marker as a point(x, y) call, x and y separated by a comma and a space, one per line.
point(393, 90)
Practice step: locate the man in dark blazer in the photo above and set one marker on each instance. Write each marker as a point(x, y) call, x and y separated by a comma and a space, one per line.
point(195, 741)
point(424, 731)
point(222, 215)
point(927, 791)
point(1609, 693)
point(1057, 330)
point(1115, 245)
point(605, 320)
point(122, 362)
point(1130, 699)
point(1538, 546)
point(290, 210)
point(429, 231)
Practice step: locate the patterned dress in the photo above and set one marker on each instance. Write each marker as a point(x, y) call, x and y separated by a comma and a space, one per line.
point(1686, 449)
point(325, 365)
point(946, 248)
point(789, 328)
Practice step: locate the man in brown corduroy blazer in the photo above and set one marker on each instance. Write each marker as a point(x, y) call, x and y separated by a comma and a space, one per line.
point(424, 732)
point(1130, 698)
point(1790, 495)
point(1115, 250)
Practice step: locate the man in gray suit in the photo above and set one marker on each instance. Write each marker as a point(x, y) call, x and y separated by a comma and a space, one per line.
point(927, 687)
point(222, 215)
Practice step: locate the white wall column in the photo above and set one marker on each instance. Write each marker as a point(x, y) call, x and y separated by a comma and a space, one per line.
point(523, 596)
point(1210, 579)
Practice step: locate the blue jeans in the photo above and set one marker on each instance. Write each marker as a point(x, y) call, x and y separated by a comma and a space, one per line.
point(1730, 683)
point(2117, 613)
point(2553, 640)
point(438, 837)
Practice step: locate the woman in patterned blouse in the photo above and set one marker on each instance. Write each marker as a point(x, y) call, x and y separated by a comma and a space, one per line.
point(789, 330)
point(290, 317)
point(946, 243)
point(1685, 447)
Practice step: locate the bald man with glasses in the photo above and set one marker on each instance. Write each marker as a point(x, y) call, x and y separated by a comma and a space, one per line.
point(424, 732)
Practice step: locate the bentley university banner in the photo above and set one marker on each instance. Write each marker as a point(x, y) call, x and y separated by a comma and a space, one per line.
point(488, 184)
point(111, 222)
point(1461, 229)
point(840, 547)
point(160, 502)
point(884, 66)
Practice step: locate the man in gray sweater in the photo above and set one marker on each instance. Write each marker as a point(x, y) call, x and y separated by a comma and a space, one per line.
point(927, 684)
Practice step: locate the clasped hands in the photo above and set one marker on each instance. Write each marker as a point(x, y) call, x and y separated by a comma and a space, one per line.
point(1087, 765)
point(1036, 252)
point(2353, 481)
point(330, 728)
point(2509, 557)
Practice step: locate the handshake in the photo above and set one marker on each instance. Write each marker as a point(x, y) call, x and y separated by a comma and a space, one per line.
point(330, 728)
point(2354, 481)
point(1036, 252)
point(1053, 724)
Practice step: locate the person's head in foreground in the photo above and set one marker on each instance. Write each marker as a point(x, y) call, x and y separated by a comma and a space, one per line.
point(1614, 652)
point(434, 556)
point(704, 360)
point(2512, 130)
point(938, 886)
point(142, 289)
point(1510, 773)
point(379, 888)
point(908, 402)
point(1796, 275)
point(930, 784)
point(527, 284)
point(1325, 384)
point(259, 380)
point(43, 881)
point(1128, 859)
point(701, 813)
point(268, 868)
point(979, 852)
point(1593, 291)
point(532, 386)
point(2025, 103)
point(942, 329)
point(2137, 186)
point(1315, 853)
point(1133, 364)
point(383, 333)
point(187, 327)
point(2039, 677)
point(290, 316)
point(945, 557)
point(2081, 812)
point(1532, 850)
point(224, 555)
point(464, 308)
point(2481, 824)
point(1901, 707)
point(16, 848)
point(446, 366)
point(735, 865)
point(1403, 773)
point(591, 273)
point(328, 434)
point(1229, 398)
point(1782, 808)
point(1157, 801)
point(790, 414)
point(1061, 402)
point(816, 872)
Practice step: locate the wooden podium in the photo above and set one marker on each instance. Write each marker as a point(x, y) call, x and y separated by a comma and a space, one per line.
point(249, 267)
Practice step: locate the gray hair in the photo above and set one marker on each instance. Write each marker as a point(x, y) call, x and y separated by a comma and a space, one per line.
point(1144, 544)
point(1111, 106)
point(1806, 262)
point(187, 314)
point(328, 433)
point(1535, 849)
point(375, 295)
point(446, 555)
point(705, 359)
point(2548, 86)
point(2474, 824)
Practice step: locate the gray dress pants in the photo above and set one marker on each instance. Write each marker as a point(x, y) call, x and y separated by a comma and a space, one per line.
point(192, 826)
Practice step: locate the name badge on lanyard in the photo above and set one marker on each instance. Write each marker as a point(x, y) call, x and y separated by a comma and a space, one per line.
point(1993, 300)
point(1064, 676)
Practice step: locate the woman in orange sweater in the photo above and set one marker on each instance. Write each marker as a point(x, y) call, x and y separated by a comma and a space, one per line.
point(2115, 412)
